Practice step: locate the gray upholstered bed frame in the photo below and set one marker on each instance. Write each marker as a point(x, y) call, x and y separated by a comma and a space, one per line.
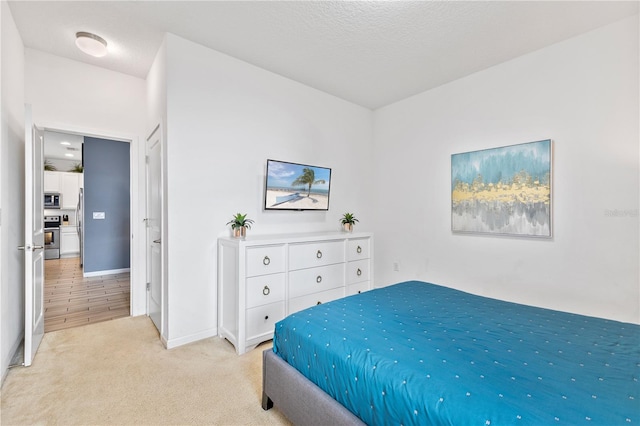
point(299, 399)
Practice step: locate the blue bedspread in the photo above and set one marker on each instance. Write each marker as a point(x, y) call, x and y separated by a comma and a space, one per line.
point(418, 353)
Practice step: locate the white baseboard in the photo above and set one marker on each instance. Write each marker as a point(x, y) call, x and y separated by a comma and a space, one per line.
point(70, 255)
point(174, 343)
point(107, 272)
point(164, 341)
point(6, 362)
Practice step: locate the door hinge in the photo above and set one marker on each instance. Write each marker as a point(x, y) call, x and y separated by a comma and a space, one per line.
point(148, 286)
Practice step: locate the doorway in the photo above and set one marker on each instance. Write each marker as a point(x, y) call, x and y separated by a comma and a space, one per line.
point(76, 294)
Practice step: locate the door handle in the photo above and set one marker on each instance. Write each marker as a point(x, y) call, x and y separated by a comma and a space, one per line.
point(157, 241)
point(32, 248)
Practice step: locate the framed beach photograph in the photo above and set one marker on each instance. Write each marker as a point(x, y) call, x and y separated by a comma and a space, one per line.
point(503, 191)
point(294, 186)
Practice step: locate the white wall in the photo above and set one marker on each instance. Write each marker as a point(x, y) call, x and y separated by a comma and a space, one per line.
point(73, 97)
point(225, 118)
point(583, 94)
point(11, 188)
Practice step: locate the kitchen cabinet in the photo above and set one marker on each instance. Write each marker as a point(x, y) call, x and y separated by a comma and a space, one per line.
point(68, 184)
point(69, 241)
point(69, 188)
point(51, 182)
point(261, 279)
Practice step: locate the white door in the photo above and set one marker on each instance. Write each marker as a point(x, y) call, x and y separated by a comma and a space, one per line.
point(154, 227)
point(33, 238)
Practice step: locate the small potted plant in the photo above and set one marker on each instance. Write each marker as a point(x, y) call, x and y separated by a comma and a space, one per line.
point(49, 167)
point(77, 168)
point(240, 224)
point(348, 220)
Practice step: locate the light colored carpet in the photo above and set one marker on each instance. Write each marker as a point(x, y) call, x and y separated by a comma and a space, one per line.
point(118, 373)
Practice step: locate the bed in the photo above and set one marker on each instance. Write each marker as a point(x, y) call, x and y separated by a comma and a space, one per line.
point(419, 353)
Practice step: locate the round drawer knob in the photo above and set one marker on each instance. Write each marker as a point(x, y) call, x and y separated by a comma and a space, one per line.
point(266, 261)
point(359, 250)
point(359, 291)
point(266, 290)
point(358, 272)
point(319, 254)
point(319, 279)
point(266, 317)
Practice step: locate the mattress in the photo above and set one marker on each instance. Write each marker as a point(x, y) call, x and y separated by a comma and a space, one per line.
point(419, 353)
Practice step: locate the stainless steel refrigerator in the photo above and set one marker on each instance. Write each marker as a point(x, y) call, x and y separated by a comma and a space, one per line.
point(80, 223)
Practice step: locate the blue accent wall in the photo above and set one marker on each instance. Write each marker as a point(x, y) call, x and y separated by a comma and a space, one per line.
point(106, 189)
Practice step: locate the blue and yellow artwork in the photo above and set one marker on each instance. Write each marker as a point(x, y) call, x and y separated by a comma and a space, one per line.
point(504, 190)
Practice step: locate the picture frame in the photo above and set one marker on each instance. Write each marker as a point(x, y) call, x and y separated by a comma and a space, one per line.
point(503, 191)
point(296, 186)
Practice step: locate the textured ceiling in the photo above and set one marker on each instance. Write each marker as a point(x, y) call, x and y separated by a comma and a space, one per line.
point(367, 52)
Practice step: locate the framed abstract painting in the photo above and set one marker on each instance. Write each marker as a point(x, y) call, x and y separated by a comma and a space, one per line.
point(503, 191)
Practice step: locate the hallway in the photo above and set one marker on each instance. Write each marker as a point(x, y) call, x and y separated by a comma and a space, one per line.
point(71, 300)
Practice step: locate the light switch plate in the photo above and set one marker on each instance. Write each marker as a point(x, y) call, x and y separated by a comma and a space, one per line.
point(98, 215)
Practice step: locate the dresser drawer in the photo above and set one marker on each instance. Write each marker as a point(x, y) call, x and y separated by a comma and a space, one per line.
point(313, 280)
point(309, 255)
point(262, 320)
point(265, 260)
point(357, 288)
point(265, 289)
point(358, 271)
point(299, 303)
point(358, 249)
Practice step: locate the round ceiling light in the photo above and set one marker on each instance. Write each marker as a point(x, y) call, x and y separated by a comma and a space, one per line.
point(91, 44)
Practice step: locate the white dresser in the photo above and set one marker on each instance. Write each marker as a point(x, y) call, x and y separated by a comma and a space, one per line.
point(264, 278)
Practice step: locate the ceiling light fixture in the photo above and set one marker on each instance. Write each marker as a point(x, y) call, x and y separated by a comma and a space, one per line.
point(69, 155)
point(91, 44)
point(65, 143)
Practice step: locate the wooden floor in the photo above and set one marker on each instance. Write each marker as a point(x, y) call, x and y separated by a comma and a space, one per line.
point(71, 300)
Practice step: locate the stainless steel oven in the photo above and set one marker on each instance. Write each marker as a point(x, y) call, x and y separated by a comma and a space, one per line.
point(52, 237)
